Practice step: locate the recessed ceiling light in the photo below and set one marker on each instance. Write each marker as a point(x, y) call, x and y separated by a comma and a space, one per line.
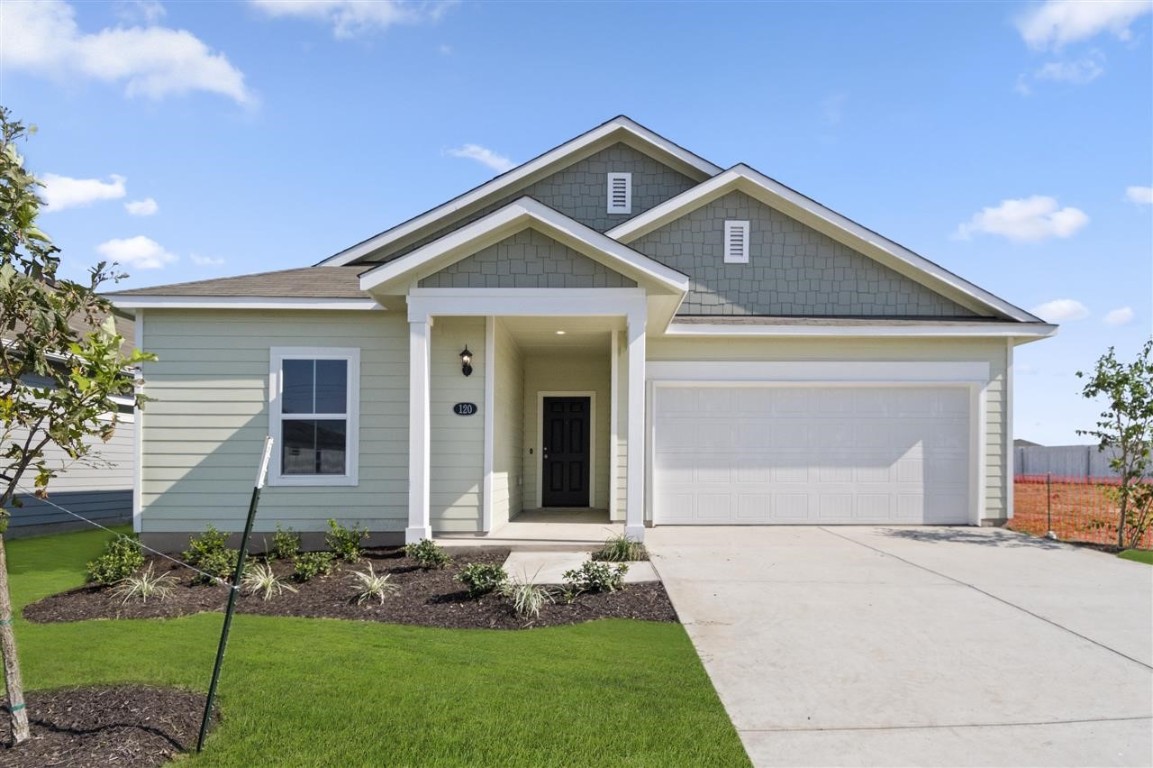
point(560, 333)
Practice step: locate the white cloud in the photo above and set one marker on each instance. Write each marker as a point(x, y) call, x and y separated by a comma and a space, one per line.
point(1139, 195)
point(205, 261)
point(43, 38)
point(140, 252)
point(484, 156)
point(145, 207)
point(1054, 23)
point(60, 192)
point(1026, 220)
point(1079, 72)
point(354, 17)
point(140, 11)
point(1119, 316)
point(1061, 310)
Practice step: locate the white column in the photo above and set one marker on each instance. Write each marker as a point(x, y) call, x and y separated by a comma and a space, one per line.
point(419, 434)
point(635, 507)
point(614, 423)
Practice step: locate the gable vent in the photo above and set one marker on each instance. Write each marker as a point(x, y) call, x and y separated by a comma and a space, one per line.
point(620, 193)
point(736, 242)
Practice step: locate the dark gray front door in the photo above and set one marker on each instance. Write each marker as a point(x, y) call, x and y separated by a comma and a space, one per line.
point(565, 456)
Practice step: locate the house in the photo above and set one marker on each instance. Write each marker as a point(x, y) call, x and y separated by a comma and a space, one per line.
point(617, 324)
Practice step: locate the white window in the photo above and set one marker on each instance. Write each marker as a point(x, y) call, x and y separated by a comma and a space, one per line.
point(736, 242)
point(620, 193)
point(313, 413)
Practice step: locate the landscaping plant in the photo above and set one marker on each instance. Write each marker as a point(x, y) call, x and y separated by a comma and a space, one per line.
point(427, 554)
point(209, 553)
point(345, 543)
point(309, 565)
point(595, 577)
point(285, 544)
point(482, 578)
point(621, 549)
point(122, 557)
point(371, 584)
point(260, 580)
point(527, 598)
point(144, 586)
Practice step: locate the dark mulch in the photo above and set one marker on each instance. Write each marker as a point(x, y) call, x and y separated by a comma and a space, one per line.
point(431, 598)
point(96, 727)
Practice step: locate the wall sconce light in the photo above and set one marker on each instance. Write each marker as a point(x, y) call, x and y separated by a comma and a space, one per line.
point(466, 361)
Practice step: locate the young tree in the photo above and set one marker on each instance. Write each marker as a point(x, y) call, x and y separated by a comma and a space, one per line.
point(1126, 425)
point(60, 367)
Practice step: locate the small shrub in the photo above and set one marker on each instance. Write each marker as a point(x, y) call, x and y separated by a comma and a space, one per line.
point(428, 554)
point(621, 549)
point(309, 565)
point(527, 598)
point(595, 577)
point(144, 586)
point(122, 557)
point(217, 565)
point(260, 580)
point(371, 584)
point(211, 542)
point(482, 578)
point(285, 544)
point(345, 543)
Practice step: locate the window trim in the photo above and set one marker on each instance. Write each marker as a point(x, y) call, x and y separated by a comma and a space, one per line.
point(627, 207)
point(732, 257)
point(276, 358)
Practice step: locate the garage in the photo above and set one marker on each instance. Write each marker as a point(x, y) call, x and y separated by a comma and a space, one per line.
point(793, 454)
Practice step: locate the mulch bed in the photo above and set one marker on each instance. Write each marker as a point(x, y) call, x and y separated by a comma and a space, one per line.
point(431, 598)
point(97, 727)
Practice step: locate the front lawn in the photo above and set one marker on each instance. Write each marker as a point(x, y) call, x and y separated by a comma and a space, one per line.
point(323, 692)
point(1138, 555)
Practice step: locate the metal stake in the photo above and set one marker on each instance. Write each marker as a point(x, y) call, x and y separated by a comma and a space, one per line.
point(236, 576)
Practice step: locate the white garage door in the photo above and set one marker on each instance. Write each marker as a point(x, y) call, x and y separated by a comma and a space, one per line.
point(796, 455)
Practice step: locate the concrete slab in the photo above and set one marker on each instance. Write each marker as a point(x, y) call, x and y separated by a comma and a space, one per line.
point(549, 567)
point(859, 646)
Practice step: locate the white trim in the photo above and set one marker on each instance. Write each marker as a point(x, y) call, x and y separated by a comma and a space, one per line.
point(138, 436)
point(525, 302)
point(238, 302)
point(276, 358)
point(1010, 458)
point(419, 430)
point(979, 424)
point(489, 423)
point(507, 221)
point(637, 459)
point(739, 255)
point(540, 396)
point(793, 204)
point(929, 329)
point(819, 372)
point(619, 126)
point(614, 426)
point(613, 208)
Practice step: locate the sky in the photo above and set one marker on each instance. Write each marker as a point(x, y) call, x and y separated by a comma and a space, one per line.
point(1010, 142)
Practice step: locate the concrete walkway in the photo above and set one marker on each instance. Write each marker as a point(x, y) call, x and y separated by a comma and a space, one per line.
point(918, 646)
point(548, 567)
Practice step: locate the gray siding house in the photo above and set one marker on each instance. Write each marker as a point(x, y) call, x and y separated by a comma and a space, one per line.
point(617, 324)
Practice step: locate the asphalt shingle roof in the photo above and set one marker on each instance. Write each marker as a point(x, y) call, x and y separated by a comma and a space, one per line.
point(305, 283)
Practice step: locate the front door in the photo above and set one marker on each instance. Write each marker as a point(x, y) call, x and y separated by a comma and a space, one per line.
point(565, 452)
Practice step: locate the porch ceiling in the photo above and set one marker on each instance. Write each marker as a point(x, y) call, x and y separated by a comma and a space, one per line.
point(539, 334)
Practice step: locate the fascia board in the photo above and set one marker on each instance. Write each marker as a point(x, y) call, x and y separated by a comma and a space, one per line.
point(622, 126)
point(1024, 332)
point(239, 302)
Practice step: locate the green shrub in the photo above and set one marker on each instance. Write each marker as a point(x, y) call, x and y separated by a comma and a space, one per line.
point(621, 549)
point(428, 554)
point(371, 584)
point(206, 545)
point(595, 577)
point(260, 580)
point(309, 565)
point(345, 543)
point(285, 544)
point(122, 557)
point(220, 564)
point(482, 578)
point(144, 586)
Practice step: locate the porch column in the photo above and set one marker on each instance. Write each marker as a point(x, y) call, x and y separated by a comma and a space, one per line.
point(635, 489)
point(419, 435)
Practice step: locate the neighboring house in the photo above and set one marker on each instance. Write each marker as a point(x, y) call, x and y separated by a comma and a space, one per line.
point(98, 487)
point(649, 334)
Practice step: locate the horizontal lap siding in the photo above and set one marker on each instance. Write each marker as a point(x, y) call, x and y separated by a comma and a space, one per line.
point(204, 430)
point(887, 350)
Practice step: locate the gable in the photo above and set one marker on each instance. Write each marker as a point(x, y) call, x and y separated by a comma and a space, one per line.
point(527, 259)
point(793, 270)
point(578, 191)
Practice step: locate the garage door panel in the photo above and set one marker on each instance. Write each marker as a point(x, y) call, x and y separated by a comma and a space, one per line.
point(812, 454)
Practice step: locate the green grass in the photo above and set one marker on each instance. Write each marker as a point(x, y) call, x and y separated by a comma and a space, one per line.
point(1138, 555)
point(322, 692)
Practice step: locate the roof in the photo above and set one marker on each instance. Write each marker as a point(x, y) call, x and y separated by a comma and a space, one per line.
point(302, 283)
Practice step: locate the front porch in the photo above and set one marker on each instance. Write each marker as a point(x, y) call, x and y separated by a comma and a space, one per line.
point(543, 530)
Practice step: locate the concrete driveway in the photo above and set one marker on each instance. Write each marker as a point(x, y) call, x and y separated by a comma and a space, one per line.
point(918, 646)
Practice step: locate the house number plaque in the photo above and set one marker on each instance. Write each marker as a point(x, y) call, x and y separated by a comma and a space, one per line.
point(464, 409)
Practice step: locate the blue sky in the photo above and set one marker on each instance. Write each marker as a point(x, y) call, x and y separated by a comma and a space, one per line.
point(1010, 142)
